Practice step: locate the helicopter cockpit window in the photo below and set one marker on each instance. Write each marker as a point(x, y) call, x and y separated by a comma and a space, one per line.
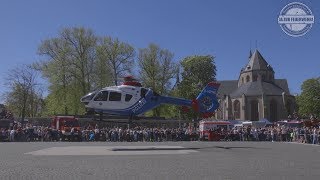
point(143, 92)
point(102, 96)
point(88, 97)
point(128, 97)
point(115, 96)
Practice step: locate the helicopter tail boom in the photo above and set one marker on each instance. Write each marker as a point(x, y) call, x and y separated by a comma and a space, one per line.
point(205, 104)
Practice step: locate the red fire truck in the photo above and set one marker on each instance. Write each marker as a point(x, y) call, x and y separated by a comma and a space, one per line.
point(68, 126)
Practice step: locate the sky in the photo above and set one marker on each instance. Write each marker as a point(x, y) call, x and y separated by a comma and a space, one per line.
point(226, 29)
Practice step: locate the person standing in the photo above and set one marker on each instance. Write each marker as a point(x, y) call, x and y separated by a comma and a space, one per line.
point(11, 136)
point(272, 135)
point(314, 136)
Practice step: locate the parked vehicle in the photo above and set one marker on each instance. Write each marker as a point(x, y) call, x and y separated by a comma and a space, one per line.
point(294, 124)
point(207, 127)
point(68, 126)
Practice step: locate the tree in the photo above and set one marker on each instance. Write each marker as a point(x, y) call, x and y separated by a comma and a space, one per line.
point(198, 71)
point(81, 44)
point(55, 69)
point(157, 69)
point(24, 94)
point(115, 56)
point(69, 67)
point(309, 99)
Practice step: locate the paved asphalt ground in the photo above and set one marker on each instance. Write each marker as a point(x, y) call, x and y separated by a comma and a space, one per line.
point(186, 160)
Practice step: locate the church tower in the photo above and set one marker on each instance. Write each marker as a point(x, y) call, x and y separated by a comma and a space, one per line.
point(257, 69)
point(256, 94)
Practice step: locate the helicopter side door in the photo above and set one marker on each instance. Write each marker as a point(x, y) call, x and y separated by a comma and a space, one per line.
point(116, 100)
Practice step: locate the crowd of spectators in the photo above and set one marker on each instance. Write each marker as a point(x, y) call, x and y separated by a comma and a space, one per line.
point(28, 132)
point(274, 133)
point(138, 134)
point(94, 133)
point(5, 114)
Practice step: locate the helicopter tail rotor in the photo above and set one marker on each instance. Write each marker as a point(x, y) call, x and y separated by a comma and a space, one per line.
point(206, 102)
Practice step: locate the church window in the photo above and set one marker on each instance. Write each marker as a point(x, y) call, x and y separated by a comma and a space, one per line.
point(263, 77)
point(254, 110)
point(255, 78)
point(236, 109)
point(248, 78)
point(273, 110)
point(289, 107)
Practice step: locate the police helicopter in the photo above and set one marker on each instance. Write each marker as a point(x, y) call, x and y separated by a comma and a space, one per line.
point(131, 100)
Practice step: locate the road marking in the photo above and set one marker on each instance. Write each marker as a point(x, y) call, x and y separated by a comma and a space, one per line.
point(306, 144)
point(109, 150)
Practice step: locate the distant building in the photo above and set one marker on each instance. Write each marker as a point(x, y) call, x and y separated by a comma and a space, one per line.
point(256, 94)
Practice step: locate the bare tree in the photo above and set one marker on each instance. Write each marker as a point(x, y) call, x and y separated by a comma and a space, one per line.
point(22, 84)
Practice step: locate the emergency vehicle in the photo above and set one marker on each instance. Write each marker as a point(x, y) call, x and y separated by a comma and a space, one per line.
point(205, 127)
point(68, 126)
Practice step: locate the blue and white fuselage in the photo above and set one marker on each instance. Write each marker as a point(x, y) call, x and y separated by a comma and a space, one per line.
point(126, 100)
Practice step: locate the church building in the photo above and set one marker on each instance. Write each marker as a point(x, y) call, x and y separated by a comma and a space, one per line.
point(256, 94)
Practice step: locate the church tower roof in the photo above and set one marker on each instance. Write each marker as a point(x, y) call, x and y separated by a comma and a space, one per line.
point(257, 62)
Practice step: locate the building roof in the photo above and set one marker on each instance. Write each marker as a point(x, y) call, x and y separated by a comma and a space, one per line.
point(227, 87)
point(283, 84)
point(257, 62)
point(257, 88)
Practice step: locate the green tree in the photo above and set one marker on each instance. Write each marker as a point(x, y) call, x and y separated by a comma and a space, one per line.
point(309, 99)
point(114, 57)
point(81, 45)
point(157, 69)
point(55, 69)
point(69, 67)
point(198, 71)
